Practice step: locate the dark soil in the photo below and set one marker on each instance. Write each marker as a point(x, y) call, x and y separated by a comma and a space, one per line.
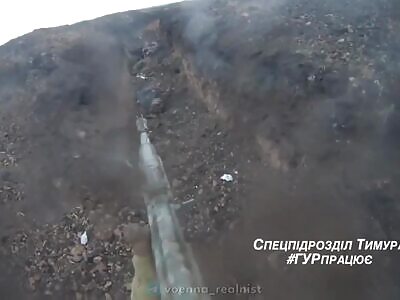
point(296, 100)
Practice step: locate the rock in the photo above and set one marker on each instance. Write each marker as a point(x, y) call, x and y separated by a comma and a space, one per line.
point(150, 49)
point(100, 267)
point(118, 267)
point(107, 285)
point(77, 253)
point(97, 259)
point(110, 265)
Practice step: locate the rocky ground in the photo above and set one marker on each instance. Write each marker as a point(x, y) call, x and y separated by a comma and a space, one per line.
point(296, 100)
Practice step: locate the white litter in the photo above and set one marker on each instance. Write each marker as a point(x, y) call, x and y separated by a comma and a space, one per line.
point(142, 76)
point(227, 177)
point(188, 201)
point(311, 77)
point(84, 238)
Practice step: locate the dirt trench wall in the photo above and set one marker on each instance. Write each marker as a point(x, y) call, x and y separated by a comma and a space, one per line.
point(220, 75)
point(306, 85)
point(306, 99)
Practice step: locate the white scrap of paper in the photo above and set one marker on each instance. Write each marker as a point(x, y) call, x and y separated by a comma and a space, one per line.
point(142, 76)
point(227, 177)
point(84, 238)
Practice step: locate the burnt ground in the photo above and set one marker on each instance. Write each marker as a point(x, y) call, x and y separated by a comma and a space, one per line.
point(296, 99)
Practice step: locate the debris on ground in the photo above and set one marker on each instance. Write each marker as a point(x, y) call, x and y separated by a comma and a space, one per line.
point(84, 238)
point(150, 48)
point(227, 177)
